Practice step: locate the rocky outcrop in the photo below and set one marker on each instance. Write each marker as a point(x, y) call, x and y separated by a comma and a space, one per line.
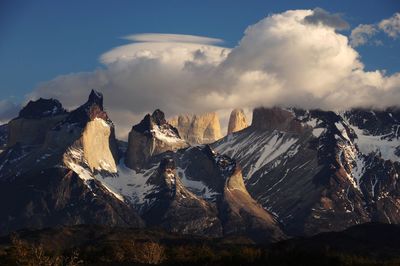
point(237, 121)
point(175, 208)
point(217, 180)
point(242, 209)
point(152, 136)
point(34, 121)
point(198, 129)
point(275, 119)
point(97, 139)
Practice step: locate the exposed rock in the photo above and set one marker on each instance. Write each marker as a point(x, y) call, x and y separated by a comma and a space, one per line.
point(89, 111)
point(152, 136)
point(97, 148)
point(96, 140)
point(198, 129)
point(177, 209)
point(311, 170)
point(242, 209)
point(237, 121)
point(42, 108)
point(30, 131)
point(34, 121)
point(217, 180)
point(275, 118)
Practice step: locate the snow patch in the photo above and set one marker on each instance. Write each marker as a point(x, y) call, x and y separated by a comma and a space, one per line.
point(318, 131)
point(166, 135)
point(376, 144)
point(128, 183)
point(196, 187)
point(358, 169)
point(275, 147)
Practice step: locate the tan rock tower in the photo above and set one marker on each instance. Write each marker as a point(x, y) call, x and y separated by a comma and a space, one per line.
point(237, 121)
point(198, 129)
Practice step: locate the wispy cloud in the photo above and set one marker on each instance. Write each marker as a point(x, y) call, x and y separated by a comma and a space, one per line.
point(364, 33)
point(391, 26)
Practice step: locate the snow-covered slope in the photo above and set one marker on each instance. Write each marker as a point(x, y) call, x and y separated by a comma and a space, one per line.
point(311, 167)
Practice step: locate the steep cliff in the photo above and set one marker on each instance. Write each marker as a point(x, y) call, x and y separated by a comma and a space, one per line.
point(237, 121)
point(34, 121)
point(198, 129)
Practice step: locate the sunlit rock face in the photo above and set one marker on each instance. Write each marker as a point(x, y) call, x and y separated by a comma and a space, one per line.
point(58, 177)
point(98, 150)
point(33, 122)
point(198, 129)
point(152, 136)
point(237, 121)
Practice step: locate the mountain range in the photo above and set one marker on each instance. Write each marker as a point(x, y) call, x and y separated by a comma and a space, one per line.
point(291, 172)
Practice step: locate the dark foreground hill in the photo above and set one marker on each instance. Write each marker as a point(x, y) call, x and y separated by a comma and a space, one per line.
point(367, 244)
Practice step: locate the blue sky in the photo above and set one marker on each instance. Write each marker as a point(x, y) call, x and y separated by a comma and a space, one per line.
point(43, 39)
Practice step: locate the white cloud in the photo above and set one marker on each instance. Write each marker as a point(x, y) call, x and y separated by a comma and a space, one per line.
point(391, 26)
point(362, 34)
point(279, 61)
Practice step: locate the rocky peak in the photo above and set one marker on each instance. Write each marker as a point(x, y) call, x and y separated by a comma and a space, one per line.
point(41, 108)
point(153, 135)
point(275, 118)
point(158, 117)
point(237, 121)
point(93, 108)
point(198, 129)
point(152, 122)
point(96, 97)
point(86, 137)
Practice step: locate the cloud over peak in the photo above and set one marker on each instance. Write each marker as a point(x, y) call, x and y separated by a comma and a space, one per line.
point(281, 60)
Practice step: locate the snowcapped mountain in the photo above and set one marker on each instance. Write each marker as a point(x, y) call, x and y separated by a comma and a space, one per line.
point(320, 171)
point(291, 172)
point(72, 171)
